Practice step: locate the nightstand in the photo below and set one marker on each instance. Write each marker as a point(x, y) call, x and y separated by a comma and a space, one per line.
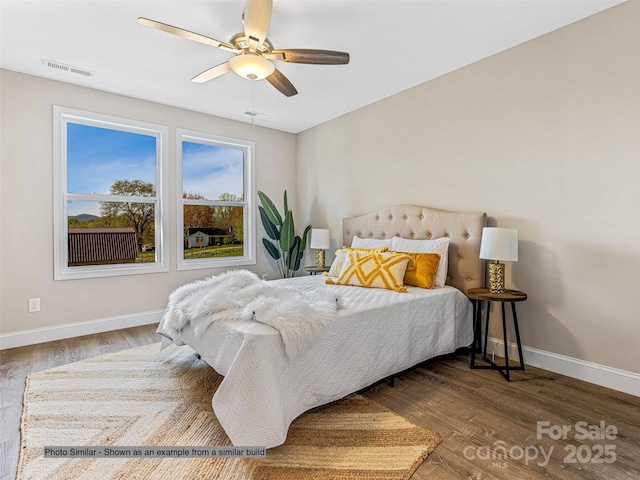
point(315, 270)
point(479, 295)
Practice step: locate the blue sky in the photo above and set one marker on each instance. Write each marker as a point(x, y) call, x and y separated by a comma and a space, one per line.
point(97, 157)
point(212, 170)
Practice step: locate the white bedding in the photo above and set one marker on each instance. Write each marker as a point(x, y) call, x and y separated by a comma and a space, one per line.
point(377, 333)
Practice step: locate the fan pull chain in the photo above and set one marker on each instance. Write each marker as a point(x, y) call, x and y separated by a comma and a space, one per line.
point(253, 103)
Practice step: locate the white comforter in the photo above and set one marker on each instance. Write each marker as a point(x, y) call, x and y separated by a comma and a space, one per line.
point(377, 333)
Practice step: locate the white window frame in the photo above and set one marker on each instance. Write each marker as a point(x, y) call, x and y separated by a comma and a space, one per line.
point(62, 116)
point(249, 225)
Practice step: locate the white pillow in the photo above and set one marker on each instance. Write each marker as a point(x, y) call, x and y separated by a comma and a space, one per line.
point(437, 245)
point(359, 242)
point(338, 264)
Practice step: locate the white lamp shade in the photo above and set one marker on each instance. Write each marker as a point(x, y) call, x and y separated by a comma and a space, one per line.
point(251, 66)
point(499, 244)
point(320, 238)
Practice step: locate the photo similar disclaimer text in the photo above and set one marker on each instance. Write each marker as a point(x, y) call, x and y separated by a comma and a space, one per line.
point(113, 451)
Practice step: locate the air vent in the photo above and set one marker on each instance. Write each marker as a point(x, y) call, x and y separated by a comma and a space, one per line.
point(66, 68)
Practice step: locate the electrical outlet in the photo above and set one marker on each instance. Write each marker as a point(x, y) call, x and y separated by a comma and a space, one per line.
point(34, 305)
point(493, 355)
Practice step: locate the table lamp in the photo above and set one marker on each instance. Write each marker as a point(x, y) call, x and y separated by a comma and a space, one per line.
point(320, 241)
point(498, 244)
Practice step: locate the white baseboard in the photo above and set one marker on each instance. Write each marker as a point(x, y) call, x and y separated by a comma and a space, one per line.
point(70, 330)
point(620, 380)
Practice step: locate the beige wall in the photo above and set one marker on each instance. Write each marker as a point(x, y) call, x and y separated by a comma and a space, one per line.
point(26, 211)
point(545, 138)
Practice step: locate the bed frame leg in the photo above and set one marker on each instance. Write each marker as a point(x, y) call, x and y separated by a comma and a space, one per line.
point(391, 380)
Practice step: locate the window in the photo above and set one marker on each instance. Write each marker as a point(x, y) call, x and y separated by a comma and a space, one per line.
point(216, 221)
point(109, 196)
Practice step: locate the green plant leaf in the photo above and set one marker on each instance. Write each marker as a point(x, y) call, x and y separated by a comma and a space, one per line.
point(303, 245)
point(269, 227)
point(271, 248)
point(287, 247)
point(300, 255)
point(293, 257)
point(287, 232)
point(270, 209)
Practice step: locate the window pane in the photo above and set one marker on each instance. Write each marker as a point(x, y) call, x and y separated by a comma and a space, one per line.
point(104, 233)
point(212, 172)
point(213, 231)
point(215, 171)
point(99, 157)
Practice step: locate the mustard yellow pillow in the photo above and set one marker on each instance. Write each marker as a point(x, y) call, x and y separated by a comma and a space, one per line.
point(421, 269)
point(337, 267)
point(373, 270)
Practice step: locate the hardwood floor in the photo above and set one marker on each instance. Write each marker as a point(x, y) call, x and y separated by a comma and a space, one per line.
point(17, 363)
point(489, 426)
point(477, 412)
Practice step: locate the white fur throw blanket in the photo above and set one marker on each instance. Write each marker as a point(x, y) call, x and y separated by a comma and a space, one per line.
point(300, 317)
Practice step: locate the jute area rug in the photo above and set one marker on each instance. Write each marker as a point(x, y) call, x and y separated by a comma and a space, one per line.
point(147, 397)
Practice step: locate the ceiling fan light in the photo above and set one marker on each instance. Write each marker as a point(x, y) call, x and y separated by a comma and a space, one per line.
point(251, 66)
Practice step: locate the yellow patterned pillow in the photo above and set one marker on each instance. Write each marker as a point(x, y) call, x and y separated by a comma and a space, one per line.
point(337, 267)
point(366, 250)
point(421, 270)
point(375, 270)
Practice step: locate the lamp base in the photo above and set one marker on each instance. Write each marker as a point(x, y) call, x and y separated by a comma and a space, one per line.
point(496, 277)
point(319, 258)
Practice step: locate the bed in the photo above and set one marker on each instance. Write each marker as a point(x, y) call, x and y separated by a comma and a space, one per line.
point(373, 334)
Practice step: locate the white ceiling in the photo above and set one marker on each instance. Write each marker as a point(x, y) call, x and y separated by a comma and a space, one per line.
point(394, 45)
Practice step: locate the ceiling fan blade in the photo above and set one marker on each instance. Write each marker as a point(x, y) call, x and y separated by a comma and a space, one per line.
point(305, 55)
point(257, 16)
point(282, 83)
point(212, 73)
point(196, 37)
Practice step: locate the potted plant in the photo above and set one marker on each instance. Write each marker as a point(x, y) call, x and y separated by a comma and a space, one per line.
point(284, 246)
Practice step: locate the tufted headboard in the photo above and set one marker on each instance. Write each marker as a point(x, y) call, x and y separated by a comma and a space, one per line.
point(466, 270)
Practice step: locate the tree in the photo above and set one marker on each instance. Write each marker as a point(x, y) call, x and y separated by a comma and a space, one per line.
point(140, 216)
point(225, 216)
point(195, 216)
point(238, 228)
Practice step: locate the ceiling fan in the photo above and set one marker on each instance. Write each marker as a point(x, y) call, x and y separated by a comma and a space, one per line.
point(253, 51)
